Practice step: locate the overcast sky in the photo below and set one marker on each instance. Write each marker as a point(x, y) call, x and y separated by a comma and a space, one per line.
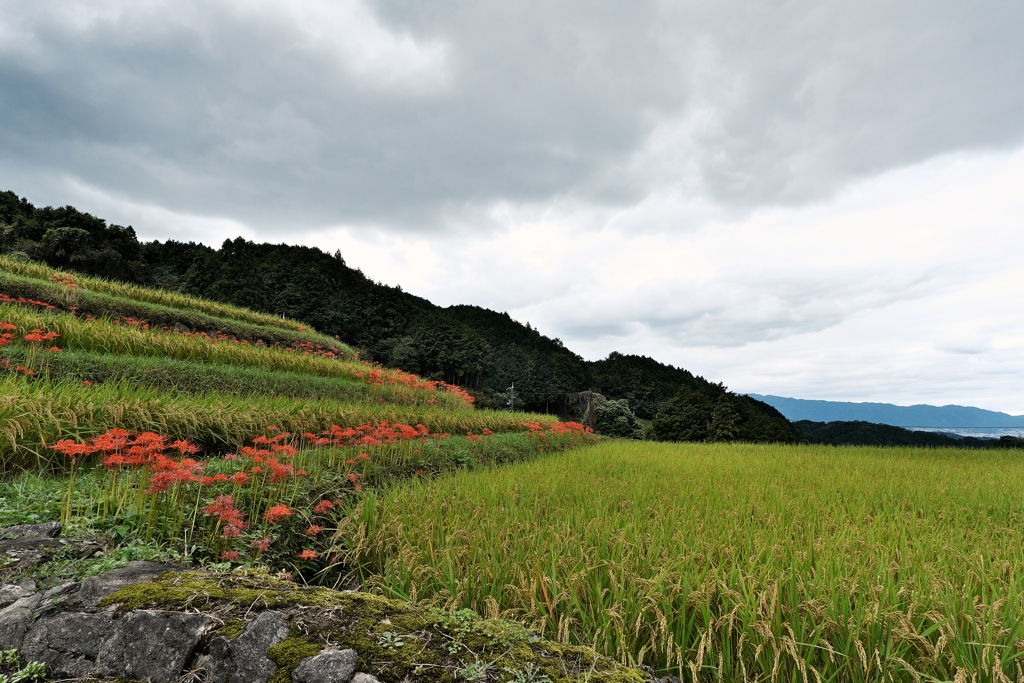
point(807, 198)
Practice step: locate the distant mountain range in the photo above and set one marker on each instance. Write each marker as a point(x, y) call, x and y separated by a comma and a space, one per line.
point(889, 414)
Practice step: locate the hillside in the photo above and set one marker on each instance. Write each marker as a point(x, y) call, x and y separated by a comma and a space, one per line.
point(483, 351)
point(886, 413)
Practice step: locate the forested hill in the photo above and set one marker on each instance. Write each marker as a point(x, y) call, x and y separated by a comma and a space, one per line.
point(485, 351)
point(889, 414)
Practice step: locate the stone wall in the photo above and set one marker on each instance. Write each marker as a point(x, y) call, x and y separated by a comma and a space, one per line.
point(154, 622)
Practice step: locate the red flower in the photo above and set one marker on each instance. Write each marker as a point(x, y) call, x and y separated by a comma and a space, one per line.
point(323, 506)
point(277, 513)
point(314, 530)
point(262, 544)
point(307, 555)
point(229, 555)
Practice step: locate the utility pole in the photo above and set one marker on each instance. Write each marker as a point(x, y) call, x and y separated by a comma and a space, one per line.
point(511, 403)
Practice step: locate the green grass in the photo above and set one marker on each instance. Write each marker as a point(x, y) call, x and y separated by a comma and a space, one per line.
point(181, 302)
point(729, 562)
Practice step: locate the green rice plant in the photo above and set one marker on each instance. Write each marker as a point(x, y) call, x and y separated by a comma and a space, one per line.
point(720, 562)
point(178, 301)
point(36, 413)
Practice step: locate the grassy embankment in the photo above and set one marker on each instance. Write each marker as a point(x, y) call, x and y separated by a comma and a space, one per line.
point(135, 411)
point(729, 562)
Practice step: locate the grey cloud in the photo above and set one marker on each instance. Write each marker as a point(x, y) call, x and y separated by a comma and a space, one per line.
point(823, 92)
point(224, 109)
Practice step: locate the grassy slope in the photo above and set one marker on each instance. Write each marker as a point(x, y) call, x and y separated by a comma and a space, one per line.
point(711, 560)
point(218, 391)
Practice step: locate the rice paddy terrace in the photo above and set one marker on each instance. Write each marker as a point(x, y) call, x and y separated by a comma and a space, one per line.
point(210, 432)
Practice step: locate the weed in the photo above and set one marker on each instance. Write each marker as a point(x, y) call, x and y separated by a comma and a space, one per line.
point(473, 671)
point(529, 673)
point(390, 640)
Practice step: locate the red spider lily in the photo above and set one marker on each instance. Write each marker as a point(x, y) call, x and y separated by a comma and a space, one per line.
point(229, 555)
point(74, 450)
point(279, 471)
point(38, 335)
point(307, 555)
point(185, 447)
point(22, 300)
point(262, 544)
point(86, 383)
point(277, 513)
point(162, 481)
point(323, 506)
point(313, 530)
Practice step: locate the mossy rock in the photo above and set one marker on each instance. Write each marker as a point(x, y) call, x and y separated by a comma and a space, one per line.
point(394, 640)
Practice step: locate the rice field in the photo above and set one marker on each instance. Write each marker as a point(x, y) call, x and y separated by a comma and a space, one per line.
point(718, 562)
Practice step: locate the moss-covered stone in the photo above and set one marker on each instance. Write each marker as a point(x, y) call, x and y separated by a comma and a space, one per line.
point(232, 628)
point(288, 653)
point(435, 646)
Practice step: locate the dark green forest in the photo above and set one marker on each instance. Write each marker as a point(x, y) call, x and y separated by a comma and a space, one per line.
point(484, 351)
point(857, 433)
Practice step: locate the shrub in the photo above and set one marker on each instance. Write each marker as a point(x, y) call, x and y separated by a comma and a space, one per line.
point(614, 418)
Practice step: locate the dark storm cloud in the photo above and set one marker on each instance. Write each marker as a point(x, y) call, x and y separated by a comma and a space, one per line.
point(404, 115)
